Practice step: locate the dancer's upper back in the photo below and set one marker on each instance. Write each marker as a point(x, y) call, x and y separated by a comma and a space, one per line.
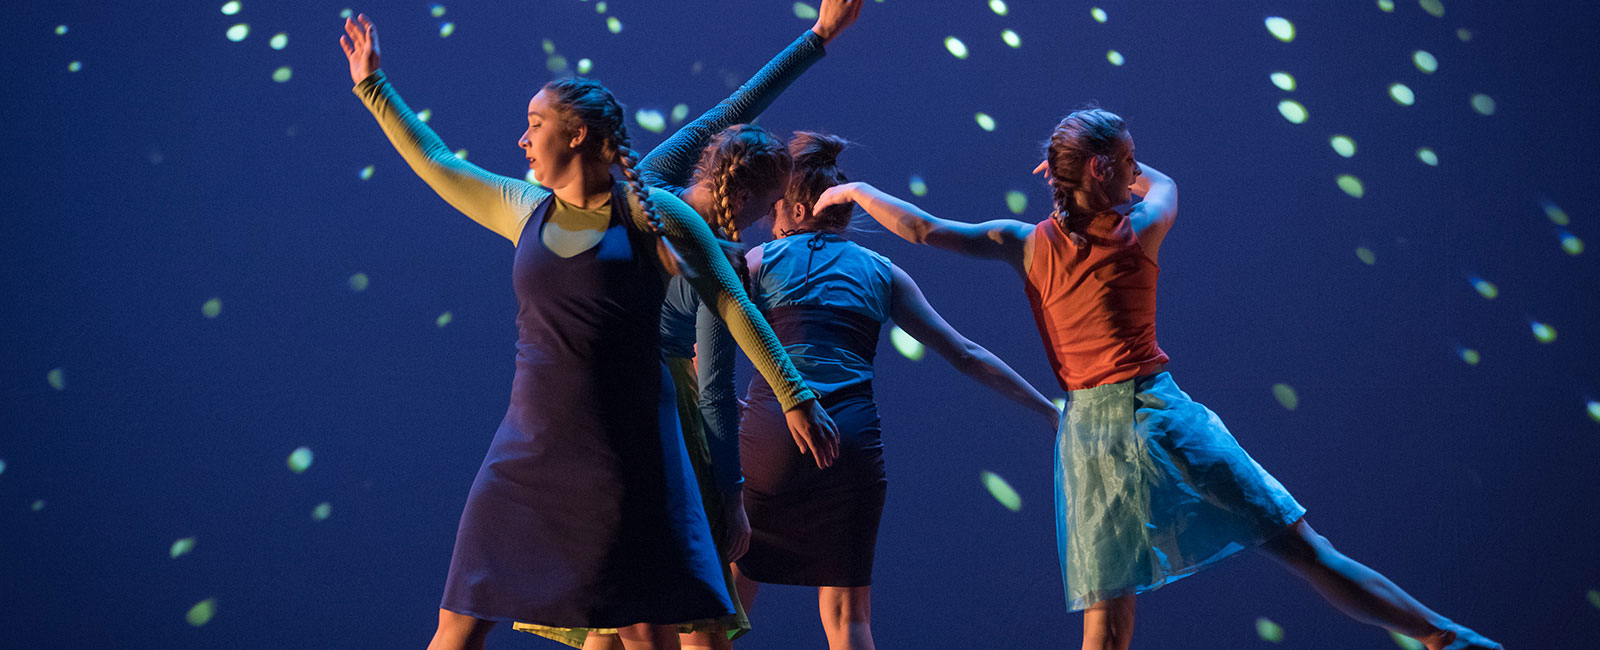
point(1095, 302)
point(827, 298)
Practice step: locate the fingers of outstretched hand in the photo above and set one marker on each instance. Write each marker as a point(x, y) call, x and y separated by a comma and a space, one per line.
point(1043, 166)
point(370, 29)
point(344, 43)
point(355, 33)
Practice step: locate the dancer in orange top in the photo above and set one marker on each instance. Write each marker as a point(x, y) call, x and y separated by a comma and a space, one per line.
point(1151, 487)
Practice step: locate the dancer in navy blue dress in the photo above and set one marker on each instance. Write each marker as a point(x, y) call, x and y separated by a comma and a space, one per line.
point(730, 173)
point(585, 513)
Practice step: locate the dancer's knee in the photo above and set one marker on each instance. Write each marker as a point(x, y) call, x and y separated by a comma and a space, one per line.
point(843, 608)
point(1300, 546)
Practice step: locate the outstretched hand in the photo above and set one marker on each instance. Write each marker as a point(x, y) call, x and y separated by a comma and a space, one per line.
point(834, 16)
point(360, 43)
point(1044, 165)
point(814, 432)
point(836, 195)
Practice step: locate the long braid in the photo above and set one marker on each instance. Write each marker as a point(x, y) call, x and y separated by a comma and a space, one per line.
point(722, 197)
point(626, 159)
point(740, 160)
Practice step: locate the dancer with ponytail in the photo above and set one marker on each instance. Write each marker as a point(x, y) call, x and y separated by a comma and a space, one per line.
point(1151, 487)
point(828, 298)
point(585, 513)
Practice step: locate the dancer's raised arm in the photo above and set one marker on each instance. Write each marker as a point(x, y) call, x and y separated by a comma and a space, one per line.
point(671, 164)
point(719, 287)
point(1153, 215)
point(499, 203)
point(1000, 239)
point(910, 310)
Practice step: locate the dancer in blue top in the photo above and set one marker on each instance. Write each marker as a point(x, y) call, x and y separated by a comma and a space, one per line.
point(828, 298)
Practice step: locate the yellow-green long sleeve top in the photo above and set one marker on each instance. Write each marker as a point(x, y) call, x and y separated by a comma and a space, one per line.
point(503, 204)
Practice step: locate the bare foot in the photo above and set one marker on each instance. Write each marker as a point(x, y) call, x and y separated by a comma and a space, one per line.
point(1456, 637)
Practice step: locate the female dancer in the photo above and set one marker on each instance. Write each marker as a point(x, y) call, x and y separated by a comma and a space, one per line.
point(1151, 487)
point(732, 183)
point(828, 297)
point(584, 513)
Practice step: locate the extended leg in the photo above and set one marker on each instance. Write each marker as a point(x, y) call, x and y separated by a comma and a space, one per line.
point(1108, 624)
point(1364, 594)
point(846, 616)
point(459, 632)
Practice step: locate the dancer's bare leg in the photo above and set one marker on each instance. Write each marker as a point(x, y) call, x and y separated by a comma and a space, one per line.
point(747, 589)
point(645, 636)
point(1364, 594)
point(717, 640)
point(597, 641)
point(459, 632)
point(1108, 624)
point(846, 616)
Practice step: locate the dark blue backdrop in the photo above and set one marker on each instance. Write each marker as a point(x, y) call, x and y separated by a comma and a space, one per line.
point(168, 168)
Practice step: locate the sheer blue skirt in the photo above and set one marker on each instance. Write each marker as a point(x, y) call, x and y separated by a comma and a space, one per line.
point(1151, 487)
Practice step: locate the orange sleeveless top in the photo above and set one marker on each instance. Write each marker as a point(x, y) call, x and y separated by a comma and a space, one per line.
point(1095, 304)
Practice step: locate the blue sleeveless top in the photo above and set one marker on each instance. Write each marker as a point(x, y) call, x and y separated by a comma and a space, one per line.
point(826, 298)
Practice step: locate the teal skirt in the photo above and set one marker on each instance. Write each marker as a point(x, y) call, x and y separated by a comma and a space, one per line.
point(1151, 487)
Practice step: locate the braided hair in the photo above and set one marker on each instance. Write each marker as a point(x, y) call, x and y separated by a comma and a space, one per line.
point(1091, 134)
point(740, 158)
point(588, 103)
point(816, 168)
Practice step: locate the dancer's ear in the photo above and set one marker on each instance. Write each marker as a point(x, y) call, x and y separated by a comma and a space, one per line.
point(580, 132)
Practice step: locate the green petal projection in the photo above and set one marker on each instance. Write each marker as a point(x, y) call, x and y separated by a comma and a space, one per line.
point(1542, 332)
point(907, 345)
point(202, 612)
point(300, 460)
point(1269, 631)
point(1001, 491)
point(1281, 28)
point(1293, 111)
point(1406, 642)
point(1017, 202)
point(956, 47)
point(1351, 185)
point(1286, 396)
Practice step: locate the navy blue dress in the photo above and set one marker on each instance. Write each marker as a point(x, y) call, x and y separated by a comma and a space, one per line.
point(585, 513)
